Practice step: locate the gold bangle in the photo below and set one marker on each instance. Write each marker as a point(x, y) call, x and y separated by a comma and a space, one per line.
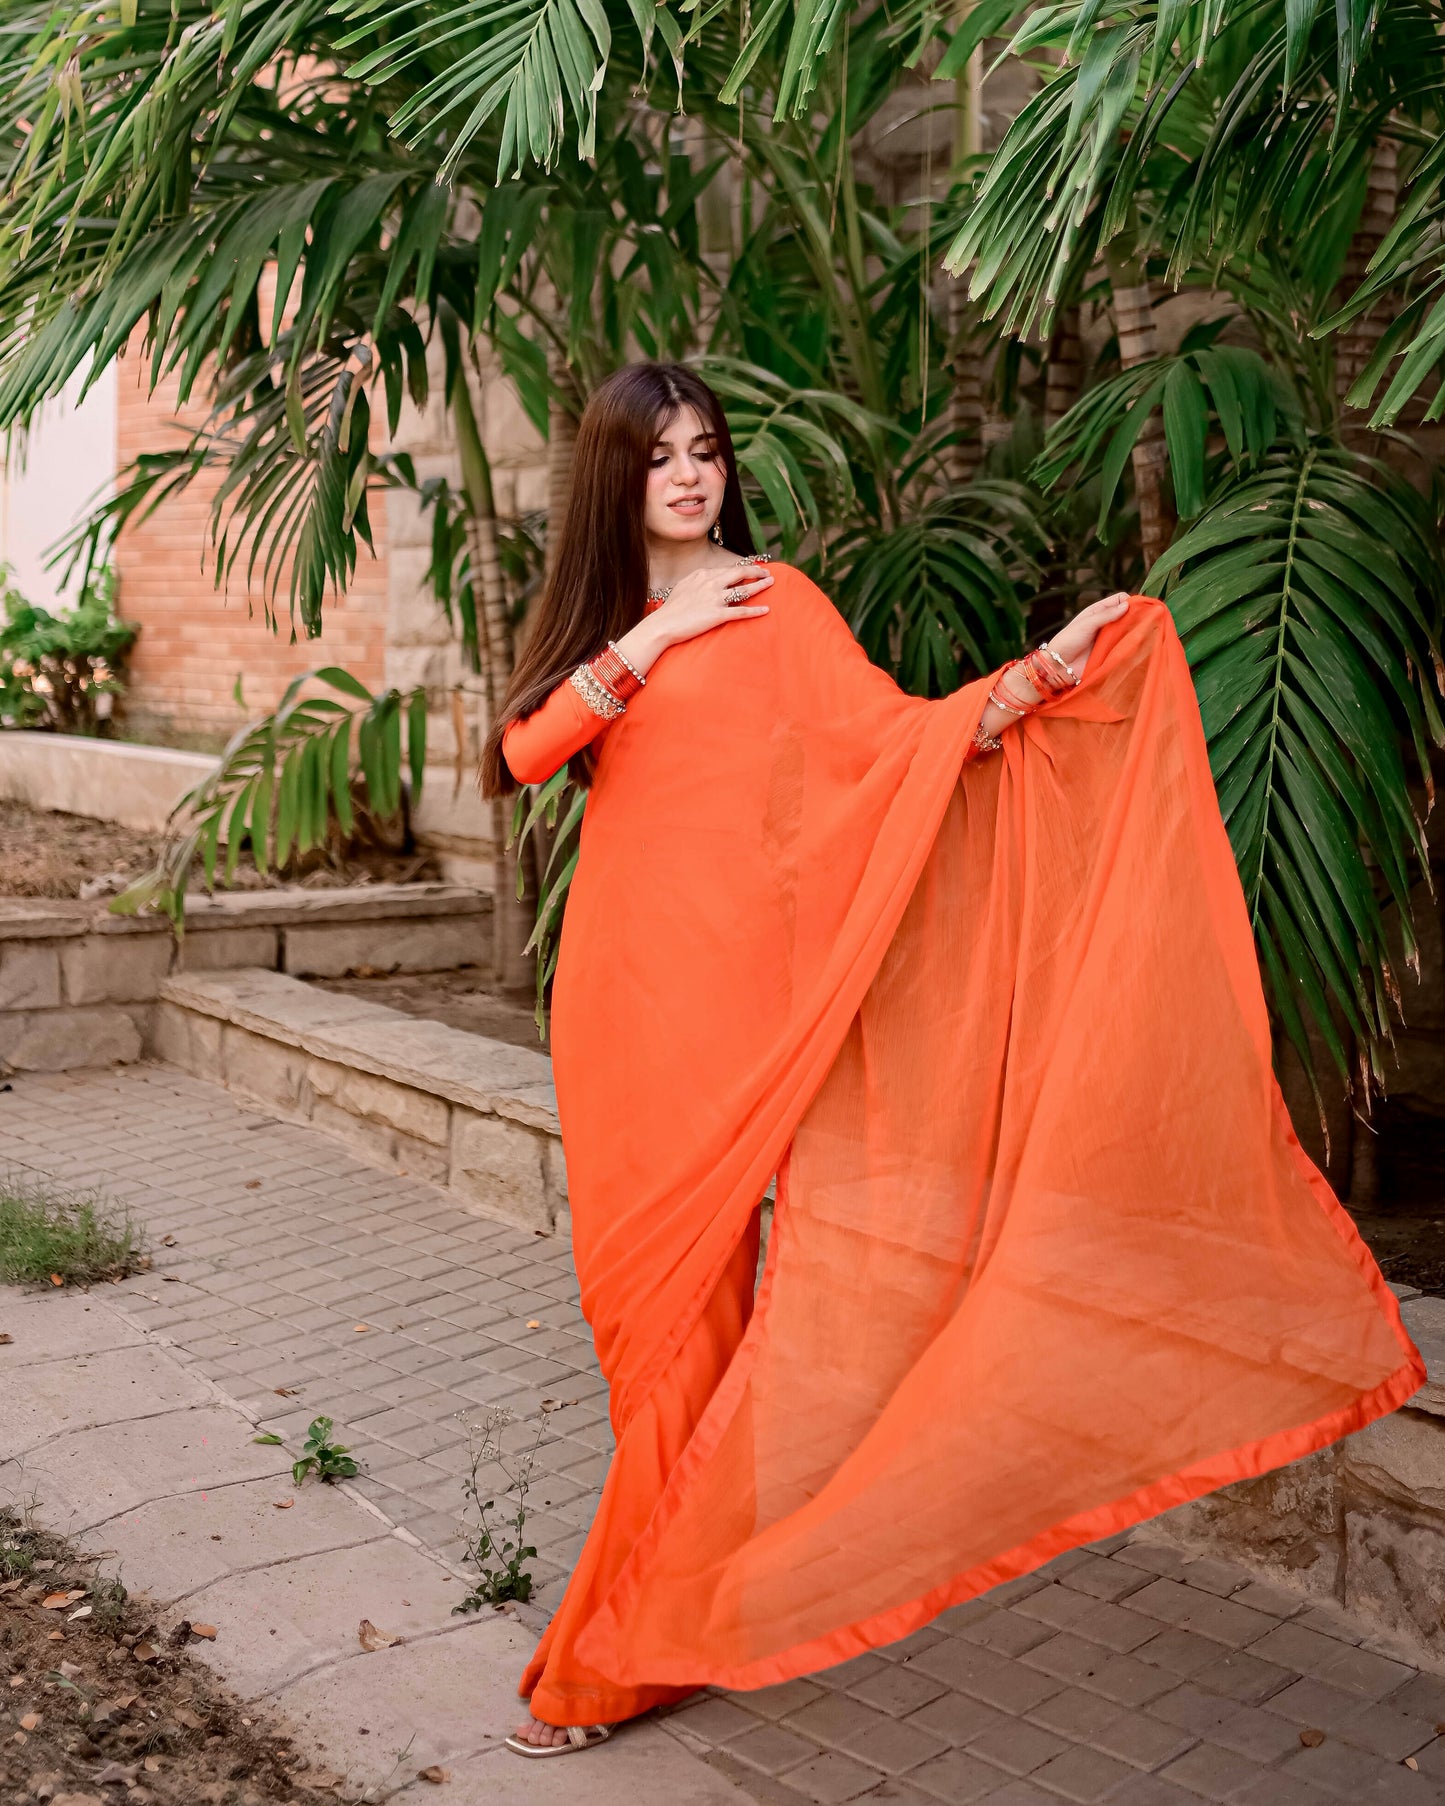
point(596, 695)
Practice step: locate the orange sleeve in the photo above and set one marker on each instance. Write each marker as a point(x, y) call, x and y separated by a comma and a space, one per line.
point(536, 745)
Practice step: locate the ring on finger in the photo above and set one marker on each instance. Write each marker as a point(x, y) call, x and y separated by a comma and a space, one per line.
point(733, 596)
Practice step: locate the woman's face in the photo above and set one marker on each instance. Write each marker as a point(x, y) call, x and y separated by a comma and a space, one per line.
point(685, 479)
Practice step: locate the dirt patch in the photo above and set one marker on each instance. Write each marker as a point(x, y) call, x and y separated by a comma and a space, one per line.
point(462, 999)
point(46, 854)
point(103, 1709)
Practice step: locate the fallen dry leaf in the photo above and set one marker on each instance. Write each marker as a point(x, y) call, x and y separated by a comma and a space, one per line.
point(17, 1680)
point(56, 1279)
point(360, 1329)
point(81, 1611)
point(1410, 1762)
point(191, 1720)
point(372, 1638)
point(152, 1765)
point(44, 1567)
point(52, 1602)
point(557, 1404)
point(69, 1670)
point(282, 1504)
point(169, 1279)
point(30, 1720)
point(146, 1652)
point(534, 1323)
point(1312, 1739)
point(20, 1737)
point(116, 1774)
point(10, 1586)
point(208, 1631)
point(434, 1774)
point(286, 1391)
point(56, 1636)
point(5, 1338)
point(253, 1185)
point(168, 1241)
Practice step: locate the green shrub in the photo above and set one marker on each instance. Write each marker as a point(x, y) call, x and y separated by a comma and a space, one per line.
point(54, 669)
point(49, 1236)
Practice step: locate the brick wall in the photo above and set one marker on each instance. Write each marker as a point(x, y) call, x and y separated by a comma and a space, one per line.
point(196, 640)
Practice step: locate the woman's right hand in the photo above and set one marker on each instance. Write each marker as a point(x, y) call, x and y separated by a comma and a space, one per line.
point(697, 605)
point(698, 602)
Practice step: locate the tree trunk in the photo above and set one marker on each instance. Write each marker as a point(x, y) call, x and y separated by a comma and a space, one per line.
point(513, 970)
point(1063, 367)
point(1138, 337)
point(1355, 344)
point(965, 402)
point(562, 413)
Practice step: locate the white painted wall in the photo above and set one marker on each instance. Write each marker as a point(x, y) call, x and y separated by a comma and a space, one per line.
point(51, 481)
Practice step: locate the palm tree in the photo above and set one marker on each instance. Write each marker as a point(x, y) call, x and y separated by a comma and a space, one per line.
point(1253, 154)
point(219, 180)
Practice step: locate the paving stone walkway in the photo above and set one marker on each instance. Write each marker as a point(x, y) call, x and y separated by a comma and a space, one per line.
point(300, 1281)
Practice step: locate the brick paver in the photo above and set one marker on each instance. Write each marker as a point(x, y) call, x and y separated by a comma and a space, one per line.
point(302, 1281)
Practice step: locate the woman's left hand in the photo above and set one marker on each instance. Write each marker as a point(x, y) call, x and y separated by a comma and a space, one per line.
point(1075, 642)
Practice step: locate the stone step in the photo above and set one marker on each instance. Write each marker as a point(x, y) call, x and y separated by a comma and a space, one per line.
point(462, 1111)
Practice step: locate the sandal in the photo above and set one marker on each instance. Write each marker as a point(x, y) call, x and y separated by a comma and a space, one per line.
point(579, 1737)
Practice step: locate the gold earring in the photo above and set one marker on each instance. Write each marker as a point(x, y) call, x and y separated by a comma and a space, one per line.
point(714, 533)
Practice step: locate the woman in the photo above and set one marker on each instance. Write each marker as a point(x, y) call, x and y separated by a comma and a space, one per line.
point(975, 979)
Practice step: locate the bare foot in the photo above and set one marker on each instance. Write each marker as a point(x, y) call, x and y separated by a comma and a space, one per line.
point(534, 1731)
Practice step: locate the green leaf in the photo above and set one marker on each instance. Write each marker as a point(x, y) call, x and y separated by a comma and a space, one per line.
point(416, 733)
point(1186, 427)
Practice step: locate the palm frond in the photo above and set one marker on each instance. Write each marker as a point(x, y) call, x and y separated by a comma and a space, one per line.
point(282, 781)
point(1308, 598)
point(939, 598)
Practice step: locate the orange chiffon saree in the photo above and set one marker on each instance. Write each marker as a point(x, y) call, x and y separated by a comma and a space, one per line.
point(1047, 1257)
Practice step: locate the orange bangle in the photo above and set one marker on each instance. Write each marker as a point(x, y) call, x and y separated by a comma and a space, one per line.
point(1044, 679)
point(610, 668)
point(1014, 707)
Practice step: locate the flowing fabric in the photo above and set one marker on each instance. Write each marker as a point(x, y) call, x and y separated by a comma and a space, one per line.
point(1047, 1256)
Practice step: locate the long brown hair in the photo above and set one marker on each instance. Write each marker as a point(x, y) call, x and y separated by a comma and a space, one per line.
point(598, 586)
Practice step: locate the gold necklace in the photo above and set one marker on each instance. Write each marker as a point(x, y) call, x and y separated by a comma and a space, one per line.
point(661, 595)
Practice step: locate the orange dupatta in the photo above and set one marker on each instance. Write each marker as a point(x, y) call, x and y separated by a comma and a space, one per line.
point(1047, 1256)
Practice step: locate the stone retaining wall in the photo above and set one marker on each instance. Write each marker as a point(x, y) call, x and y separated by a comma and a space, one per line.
point(1361, 1523)
point(475, 1115)
point(78, 986)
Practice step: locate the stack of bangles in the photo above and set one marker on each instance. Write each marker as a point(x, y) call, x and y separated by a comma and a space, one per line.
point(607, 683)
point(1045, 671)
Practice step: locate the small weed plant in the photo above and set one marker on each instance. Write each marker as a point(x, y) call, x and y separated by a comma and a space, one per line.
point(495, 1534)
point(50, 1236)
point(329, 1461)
